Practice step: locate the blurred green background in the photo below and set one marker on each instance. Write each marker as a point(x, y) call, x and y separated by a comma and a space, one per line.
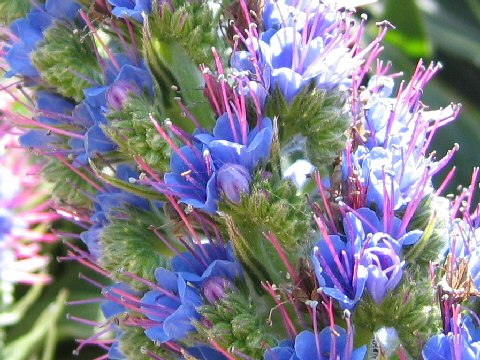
point(441, 30)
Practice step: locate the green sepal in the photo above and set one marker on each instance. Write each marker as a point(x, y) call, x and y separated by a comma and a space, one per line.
point(134, 345)
point(68, 187)
point(410, 309)
point(133, 131)
point(428, 218)
point(63, 55)
point(142, 191)
point(236, 324)
point(315, 114)
point(272, 206)
point(129, 243)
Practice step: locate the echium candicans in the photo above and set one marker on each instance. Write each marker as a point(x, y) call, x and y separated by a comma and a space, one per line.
point(165, 309)
point(380, 168)
point(459, 281)
point(76, 129)
point(298, 44)
point(222, 162)
point(26, 33)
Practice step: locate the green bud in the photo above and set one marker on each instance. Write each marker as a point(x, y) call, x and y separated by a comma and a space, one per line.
point(272, 206)
point(64, 57)
point(68, 187)
point(315, 114)
point(130, 244)
point(236, 325)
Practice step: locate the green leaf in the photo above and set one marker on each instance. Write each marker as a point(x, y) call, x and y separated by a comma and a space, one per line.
point(18, 310)
point(12, 10)
point(130, 244)
point(410, 34)
point(26, 345)
point(141, 191)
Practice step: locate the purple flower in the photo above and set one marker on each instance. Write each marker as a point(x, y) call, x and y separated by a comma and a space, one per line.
point(393, 172)
point(338, 270)
point(384, 266)
point(381, 252)
point(192, 179)
point(330, 344)
point(171, 306)
point(233, 180)
point(131, 8)
point(224, 160)
point(461, 344)
point(29, 31)
point(106, 204)
point(303, 42)
point(54, 110)
point(132, 78)
point(212, 268)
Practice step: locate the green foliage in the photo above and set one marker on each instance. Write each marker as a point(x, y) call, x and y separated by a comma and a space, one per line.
point(410, 309)
point(63, 55)
point(171, 39)
point(427, 218)
point(135, 134)
point(191, 24)
point(411, 34)
point(129, 243)
point(271, 207)
point(68, 187)
point(12, 10)
point(236, 325)
point(317, 115)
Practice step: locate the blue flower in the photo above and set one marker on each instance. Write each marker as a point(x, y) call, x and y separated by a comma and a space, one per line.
point(213, 268)
point(236, 151)
point(337, 267)
point(336, 344)
point(54, 111)
point(111, 308)
point(29, 32)
point(99, 100)
point(106, 205)
point(303, 42)
point(203, 352)
point(392, 176)
point(381, 252)
point(222, 162)
point(171, 309)
point(462, 344)
point(192, 180)
point(131, 8)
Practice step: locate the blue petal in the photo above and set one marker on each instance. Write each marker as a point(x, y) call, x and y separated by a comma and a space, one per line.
point(179, 324)
point(437, 348)
point(61, 9)
point(166, 279)
point(203, 352)
point(305, 346)
point(156, 333)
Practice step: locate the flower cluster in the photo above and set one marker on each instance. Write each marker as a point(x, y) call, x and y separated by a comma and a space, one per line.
point(24, 213)
point(281, 207)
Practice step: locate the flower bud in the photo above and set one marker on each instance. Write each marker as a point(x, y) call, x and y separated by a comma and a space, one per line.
point(233, 180)
point(119, 93)
point(216, 288)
